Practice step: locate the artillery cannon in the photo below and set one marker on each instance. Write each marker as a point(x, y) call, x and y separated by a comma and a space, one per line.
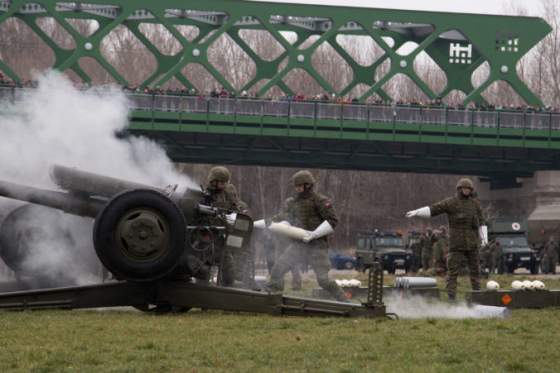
point(147, 237)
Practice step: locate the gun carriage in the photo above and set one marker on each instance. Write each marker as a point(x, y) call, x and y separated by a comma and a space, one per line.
point(148, 238)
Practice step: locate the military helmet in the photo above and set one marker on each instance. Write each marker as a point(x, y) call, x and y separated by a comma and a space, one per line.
point(219, 173)
point(465, 183)
point(303, 177)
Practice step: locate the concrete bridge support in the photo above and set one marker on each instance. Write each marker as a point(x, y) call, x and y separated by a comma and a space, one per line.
point(536, 199)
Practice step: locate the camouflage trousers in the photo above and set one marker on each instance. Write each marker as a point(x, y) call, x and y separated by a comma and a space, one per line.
point(226, 268)
point(271, 256)
point(455, 261)
point(427, 258)
point(317, 253)
point(244, 266)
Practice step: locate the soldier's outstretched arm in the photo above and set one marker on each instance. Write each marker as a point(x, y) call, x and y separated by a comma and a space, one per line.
point(433, 210)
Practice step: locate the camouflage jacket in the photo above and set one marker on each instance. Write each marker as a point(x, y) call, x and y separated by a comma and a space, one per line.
point(308, 211)
point(226, 199)
point(465, 217)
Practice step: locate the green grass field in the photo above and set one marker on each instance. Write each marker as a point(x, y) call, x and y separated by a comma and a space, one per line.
point(130, 341)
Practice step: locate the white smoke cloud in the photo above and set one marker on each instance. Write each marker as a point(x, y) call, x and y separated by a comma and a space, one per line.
point(417, 307)
point(58, 124)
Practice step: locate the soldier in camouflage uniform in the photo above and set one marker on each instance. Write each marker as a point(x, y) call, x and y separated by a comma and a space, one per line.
point(223, 195)
point(467, 229)
point(427, 242)
point(244, 258)
point(496, 253)
point(549, 259)
point(416, 249)
point(306, 210)
point(440, 252)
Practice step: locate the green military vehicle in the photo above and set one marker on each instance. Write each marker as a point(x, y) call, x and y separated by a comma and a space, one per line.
point(516, 252)
point(388, 247)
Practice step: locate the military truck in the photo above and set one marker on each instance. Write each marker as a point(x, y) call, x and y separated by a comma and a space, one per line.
point(512, 236)
point(389, 247)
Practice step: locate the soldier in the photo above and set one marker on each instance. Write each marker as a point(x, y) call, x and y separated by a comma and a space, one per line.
point(427, 242)
point(416, 249)
point(467, 230)
point(550, 257)
point(244, 258)
point(496, 253)
point(307, 210)
point(440, 252)
point(223, 195)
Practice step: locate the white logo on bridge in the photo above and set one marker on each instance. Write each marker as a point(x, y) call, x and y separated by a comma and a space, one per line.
point(459, 54)
point(509, 45)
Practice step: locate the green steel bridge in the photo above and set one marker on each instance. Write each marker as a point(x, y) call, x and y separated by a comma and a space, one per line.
point(312, 134)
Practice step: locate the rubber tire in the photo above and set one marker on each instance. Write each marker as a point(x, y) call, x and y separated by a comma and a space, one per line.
point(124, 267)
point(348, 265)
point(534, 269)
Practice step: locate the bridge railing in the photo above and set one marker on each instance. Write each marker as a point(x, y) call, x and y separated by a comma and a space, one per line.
point(331, 111)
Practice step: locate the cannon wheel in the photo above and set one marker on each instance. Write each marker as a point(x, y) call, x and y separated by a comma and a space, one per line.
point(140, 235)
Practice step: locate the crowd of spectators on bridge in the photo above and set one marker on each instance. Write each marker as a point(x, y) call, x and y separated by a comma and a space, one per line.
point(333, 98)
point(322, 98)
point(7, 82)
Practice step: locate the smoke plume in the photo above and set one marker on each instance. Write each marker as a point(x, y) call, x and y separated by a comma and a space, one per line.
point(59, 124)
point(421, 308)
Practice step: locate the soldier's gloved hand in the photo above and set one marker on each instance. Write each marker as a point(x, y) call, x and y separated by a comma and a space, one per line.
point(423, 212)
point(310, 236)
point(410, 214)
point(260, 224)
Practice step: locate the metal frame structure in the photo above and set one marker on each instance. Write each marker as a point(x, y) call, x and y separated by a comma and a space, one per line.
point(179, 296)
point(458, 43)
point(516, 299)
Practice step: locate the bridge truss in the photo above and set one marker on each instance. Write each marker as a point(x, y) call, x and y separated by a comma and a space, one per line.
point(458, 43)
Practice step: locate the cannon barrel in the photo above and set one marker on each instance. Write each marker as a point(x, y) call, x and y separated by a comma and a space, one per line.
point(90, 183)
point(72, 204)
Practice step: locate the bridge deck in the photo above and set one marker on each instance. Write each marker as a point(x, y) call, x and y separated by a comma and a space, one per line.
point(327, 135)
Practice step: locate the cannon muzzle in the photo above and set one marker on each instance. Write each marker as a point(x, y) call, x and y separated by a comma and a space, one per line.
point(67, 202)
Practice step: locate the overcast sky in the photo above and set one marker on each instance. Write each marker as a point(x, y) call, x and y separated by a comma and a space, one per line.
point(463, 6)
